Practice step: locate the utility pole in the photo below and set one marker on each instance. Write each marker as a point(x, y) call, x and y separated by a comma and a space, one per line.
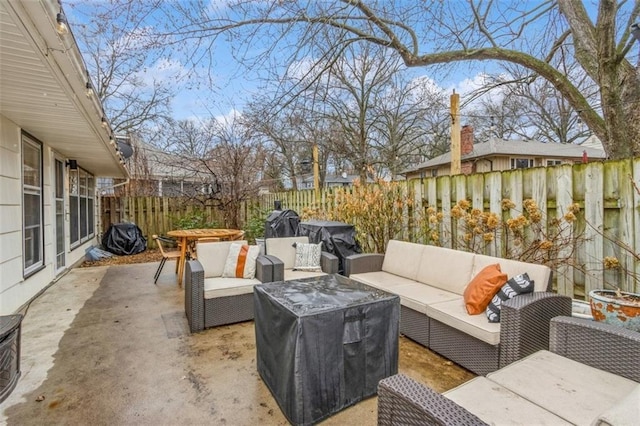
point(316, 174)
point(456, 168)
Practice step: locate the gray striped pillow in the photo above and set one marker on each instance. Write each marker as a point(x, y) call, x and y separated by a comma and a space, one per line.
point(308, 257)
point(519, 284)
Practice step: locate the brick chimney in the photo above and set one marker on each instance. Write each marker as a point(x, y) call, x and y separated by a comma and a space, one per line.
point(466, 139)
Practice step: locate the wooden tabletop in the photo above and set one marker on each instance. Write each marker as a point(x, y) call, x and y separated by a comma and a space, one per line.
point(202, 233)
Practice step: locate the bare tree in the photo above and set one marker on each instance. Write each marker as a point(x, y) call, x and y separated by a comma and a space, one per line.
point(433, 33)
point(408, 117)
point(223, 157)
point(282, 133)
point(133, 79)
point(518, 104)
point(353, 87)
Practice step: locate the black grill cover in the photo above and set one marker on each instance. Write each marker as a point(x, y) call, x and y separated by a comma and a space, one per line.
point(281, 223)
point(124, 239)
point(324, 343)
point(337, 238)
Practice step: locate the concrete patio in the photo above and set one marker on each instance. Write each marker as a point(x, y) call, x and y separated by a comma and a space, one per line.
point(104, 345)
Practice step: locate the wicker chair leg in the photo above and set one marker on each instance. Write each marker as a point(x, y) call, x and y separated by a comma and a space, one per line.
point(159, 270)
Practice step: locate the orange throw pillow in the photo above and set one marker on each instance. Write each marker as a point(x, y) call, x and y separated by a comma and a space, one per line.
point(482, 288)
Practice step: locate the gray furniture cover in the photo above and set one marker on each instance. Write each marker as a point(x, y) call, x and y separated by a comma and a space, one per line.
point(324, 343)
point(337, 238)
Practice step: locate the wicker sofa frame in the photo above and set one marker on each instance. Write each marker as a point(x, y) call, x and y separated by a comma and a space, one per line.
point(403, 401)
point(524, 325)
point(204, 313)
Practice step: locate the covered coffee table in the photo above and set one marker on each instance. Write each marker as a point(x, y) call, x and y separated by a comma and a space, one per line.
point(324, 343)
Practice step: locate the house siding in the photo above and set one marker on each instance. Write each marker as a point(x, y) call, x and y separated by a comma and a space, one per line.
point(15, 290)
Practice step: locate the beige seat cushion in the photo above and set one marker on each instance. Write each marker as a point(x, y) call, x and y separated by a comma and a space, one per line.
point(497, 405)
point(540, 274)
point(417, 295)
point(381, 280)
point(454, 314)
point(574, 391)
point(446, 269)
point(290, 274)
point(222, 287)
point(402, 258)
point(213, 255)
point(283, 249)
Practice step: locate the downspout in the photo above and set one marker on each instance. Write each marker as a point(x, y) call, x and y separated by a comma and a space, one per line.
point(102, 190)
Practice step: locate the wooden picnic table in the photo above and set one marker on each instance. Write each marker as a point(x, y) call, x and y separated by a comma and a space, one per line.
point(185, 236)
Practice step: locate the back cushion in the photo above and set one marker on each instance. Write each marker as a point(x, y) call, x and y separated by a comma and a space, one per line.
point(283, 249)
point(446, 269)
point(213, 256)
point(402, 258)
point(540, 274)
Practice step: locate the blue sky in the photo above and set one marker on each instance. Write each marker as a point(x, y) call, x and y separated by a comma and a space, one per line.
point(233, 86)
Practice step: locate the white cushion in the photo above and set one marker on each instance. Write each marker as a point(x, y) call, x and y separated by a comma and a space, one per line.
point(497, 405)
point(381, 280)
point(574, 391)
point(445, 268)
point(540, 274)
point(283, 249)
point(241, 261)
point(221, 287)
point(625, 413)
point(454, 314)
point(402, 258)
point(417, 295)
point(213, 255)
point(290, 274)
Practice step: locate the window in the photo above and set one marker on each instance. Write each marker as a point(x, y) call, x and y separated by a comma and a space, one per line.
point(554, 162)
point(81, 206)
point(32, 207)
point(521, 163)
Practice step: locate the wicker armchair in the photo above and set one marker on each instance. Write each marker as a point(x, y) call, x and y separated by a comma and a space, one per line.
point(211, 300)
point(612, 349)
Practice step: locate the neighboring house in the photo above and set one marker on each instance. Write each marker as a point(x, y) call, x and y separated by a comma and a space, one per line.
point(330, 181)
point(155, 173)
point(53, 147)
point(498, 154)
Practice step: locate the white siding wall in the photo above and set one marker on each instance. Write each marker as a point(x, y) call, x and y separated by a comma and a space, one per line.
point(15, 291)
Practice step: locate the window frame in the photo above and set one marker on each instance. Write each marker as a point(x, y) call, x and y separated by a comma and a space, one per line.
point(82, 212)
point(514, 163)
point(28, 141)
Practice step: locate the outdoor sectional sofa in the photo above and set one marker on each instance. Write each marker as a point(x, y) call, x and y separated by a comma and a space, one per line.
point(590, 376)
point(212, 300)
point(431, 281)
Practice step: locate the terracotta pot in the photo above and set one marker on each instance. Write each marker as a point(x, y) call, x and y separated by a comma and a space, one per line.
point(623, 311)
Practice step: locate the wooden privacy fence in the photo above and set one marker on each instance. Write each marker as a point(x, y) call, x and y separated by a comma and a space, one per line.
point(605, 191)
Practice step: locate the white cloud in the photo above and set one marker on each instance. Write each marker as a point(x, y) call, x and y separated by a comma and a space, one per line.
point(164, 70)
point(229, 118)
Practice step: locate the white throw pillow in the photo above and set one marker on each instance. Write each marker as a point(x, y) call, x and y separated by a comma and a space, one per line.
point(308, 257)
point(241, 261)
